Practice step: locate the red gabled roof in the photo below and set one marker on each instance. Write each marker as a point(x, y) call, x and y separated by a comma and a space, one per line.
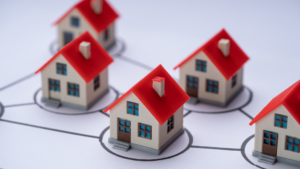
point(99, 22)
point(229, 65)
point(290, 99)
point(163, 107)
point(86, 68)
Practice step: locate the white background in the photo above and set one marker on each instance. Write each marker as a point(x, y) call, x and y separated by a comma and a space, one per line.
point(155, 32)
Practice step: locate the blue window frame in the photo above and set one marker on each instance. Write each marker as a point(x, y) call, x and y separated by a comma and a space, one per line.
point(73, 89)
point(133, 108)
point(170, 124)
point(281, 121)
point(292, 144)
point(75, 21)
point(212, 86)
point(54, 85)
point(61, 69)
point(201, 65)
point(145, 131)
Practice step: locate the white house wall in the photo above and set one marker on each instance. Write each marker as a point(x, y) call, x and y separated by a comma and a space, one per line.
point(93, 94)
point(72, 76)
point(239, 83)
point(145, 117)
point(65, 25)
point(267, 123)
point(212, 73)
point(164, 136)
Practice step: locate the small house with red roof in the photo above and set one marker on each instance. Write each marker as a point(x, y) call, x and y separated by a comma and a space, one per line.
point(149, 116)
point(76, 76)
point(213, 73)
point(277, 129)
point(95, 16)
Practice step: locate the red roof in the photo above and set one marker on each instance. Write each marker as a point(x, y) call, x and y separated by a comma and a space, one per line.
point(290, 99)
point(98, 21)
point(88, 69)
point(229, 65)
point(162, 108)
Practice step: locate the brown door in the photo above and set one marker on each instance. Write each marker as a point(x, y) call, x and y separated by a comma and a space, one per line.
point(270, 140)
point(192, 86)
point(124, 130)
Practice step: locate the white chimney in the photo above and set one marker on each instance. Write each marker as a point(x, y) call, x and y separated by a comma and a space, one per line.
point(97, 6)
point(85, 49)
point(159, 85)
point(224, 46)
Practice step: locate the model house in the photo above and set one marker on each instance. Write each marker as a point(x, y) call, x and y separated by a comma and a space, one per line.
point(95, 16)
point(277, 129)
point(76, 76)
point(213, 73)
point(149, 116)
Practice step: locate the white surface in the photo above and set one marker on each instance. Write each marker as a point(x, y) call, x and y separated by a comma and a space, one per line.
point(155, 32)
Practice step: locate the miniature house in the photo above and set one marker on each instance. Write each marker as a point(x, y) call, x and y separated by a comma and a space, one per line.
point(277, 136)
point(76, 76)
point(148, 117)
point(95, 16)
point(214, 73)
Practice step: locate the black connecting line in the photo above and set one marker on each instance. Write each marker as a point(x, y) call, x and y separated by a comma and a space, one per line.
point(118, 94)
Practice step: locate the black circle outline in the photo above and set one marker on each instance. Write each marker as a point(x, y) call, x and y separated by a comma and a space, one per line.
point(88, 112)
point(230, 110)
point(243, 146)
point(134, 159)
point(1, 109)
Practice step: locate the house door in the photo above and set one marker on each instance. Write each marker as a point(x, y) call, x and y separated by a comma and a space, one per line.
point(270, 140)
point(54, 89)
point(192, 86)
point(68, 37)
point(124, 130)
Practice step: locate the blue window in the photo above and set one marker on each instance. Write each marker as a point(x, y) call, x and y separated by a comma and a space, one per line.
point(281, 121)
point(142, 134)
point(273, 143)
point(133, 108)
point(192, 83)
point(170, 124)
point(212, 86)
point(292, 144)
point(190, 79)
point(61, 69)
point(145, 131)
point(201, 65)
point(234, 80)
point(68, 37)
point(124, 125)
point(195, 86)
point(75, 21)
point(266, 141)
point(73, 89)
point(270, 138)
point(273, 136)
point(54, 85)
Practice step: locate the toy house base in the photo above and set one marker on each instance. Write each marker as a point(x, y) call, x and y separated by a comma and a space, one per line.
point(76, 106)
point(279, 159)
point(194, 100)
point(151, 150)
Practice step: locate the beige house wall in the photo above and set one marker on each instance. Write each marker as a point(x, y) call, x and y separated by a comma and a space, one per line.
point(267, 123)
point(65, 26)
point(93, 94)
point(72, 76)
point(212, 73)
point(145, 117)
point(111, 36)
point(232, 90)
point(164, 136)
